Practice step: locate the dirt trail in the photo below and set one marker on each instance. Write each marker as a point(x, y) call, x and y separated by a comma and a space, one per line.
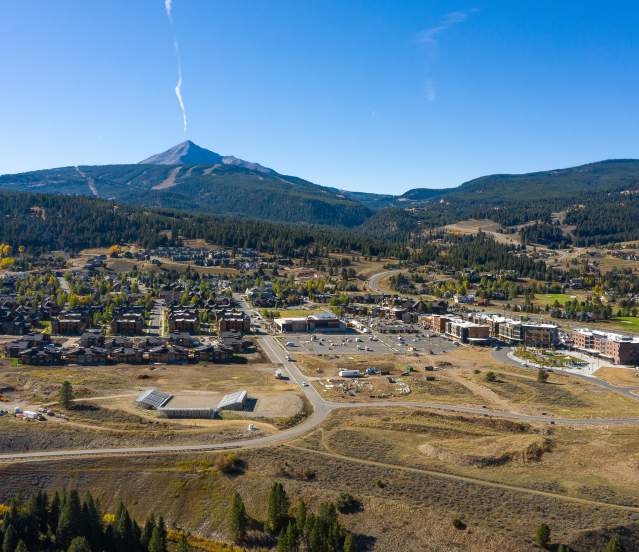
point(480, 391)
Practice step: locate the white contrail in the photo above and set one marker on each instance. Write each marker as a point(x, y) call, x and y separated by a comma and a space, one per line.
point(168, 8)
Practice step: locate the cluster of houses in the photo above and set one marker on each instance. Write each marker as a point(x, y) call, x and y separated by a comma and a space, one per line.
point(16, 319)
point(95, 348)
point(242, 259)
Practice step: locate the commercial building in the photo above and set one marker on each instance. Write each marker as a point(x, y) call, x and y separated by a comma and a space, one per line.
point(516, 332)
point(528, 333)
point(467, 332)
point(437, 322)
point(620, 349)
point(320, 322)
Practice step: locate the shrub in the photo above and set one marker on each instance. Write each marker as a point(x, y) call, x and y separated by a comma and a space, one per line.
point(490, 376)
point(228, 463)
point(346, 503)
point(459, 524)
point(542, 375)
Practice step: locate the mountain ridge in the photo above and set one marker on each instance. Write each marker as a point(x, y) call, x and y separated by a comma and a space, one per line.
point(189, 153)
point(191, 178)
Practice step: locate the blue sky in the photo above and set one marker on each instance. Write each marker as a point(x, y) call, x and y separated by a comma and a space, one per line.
point(378, 96)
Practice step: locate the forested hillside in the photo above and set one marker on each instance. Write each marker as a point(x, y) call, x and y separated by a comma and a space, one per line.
point(596, 203)
point(50, 222)
point(211, 189)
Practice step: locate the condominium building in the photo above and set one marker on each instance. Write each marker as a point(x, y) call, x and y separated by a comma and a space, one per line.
point(517, 332)
point(620, 349)
point(466, 331)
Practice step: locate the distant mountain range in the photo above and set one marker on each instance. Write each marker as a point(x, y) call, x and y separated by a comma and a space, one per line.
point(189, 177)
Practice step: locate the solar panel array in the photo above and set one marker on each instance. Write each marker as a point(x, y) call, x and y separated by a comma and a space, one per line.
point(153, 398)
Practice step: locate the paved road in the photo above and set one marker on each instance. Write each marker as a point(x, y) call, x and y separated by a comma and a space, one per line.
point(502, 356)
point(321, 409)
point(373, 281)
point(155, 324)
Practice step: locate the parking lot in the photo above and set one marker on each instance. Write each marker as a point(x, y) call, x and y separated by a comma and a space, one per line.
point(363, 343)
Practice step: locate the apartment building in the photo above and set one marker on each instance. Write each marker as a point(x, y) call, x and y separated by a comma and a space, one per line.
point(620, 349)
point(466, 331)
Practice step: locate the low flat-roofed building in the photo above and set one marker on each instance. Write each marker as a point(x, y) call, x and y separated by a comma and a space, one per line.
point(153, 398)
point(233, 401)
point(320, 322)
point(324, 322)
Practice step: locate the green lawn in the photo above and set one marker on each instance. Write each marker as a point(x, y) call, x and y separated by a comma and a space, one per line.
point(550, 298)
point(631, 323)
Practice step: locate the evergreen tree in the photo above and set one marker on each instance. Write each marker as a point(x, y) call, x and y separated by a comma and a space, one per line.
point(277, 512)
point(92, 521)
point(238, 520)
point(37, 511)
point(124, 530)
point(69, 523)
point(614, 545)
point(54, 512)
point(349, 543)
point(288, 539)
point(10, 539)
point(147, 532)
point(300, 515)
point(158, 537)
point(79, 544)
point(66, 394)
point(542, 537)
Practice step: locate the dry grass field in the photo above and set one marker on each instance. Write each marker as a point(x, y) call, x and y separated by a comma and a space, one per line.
point(619, 376)
point(104, 413)
point(598, 465)
point(460, 378)
point(474, 226)
point(406, 503)
point(438, 384)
